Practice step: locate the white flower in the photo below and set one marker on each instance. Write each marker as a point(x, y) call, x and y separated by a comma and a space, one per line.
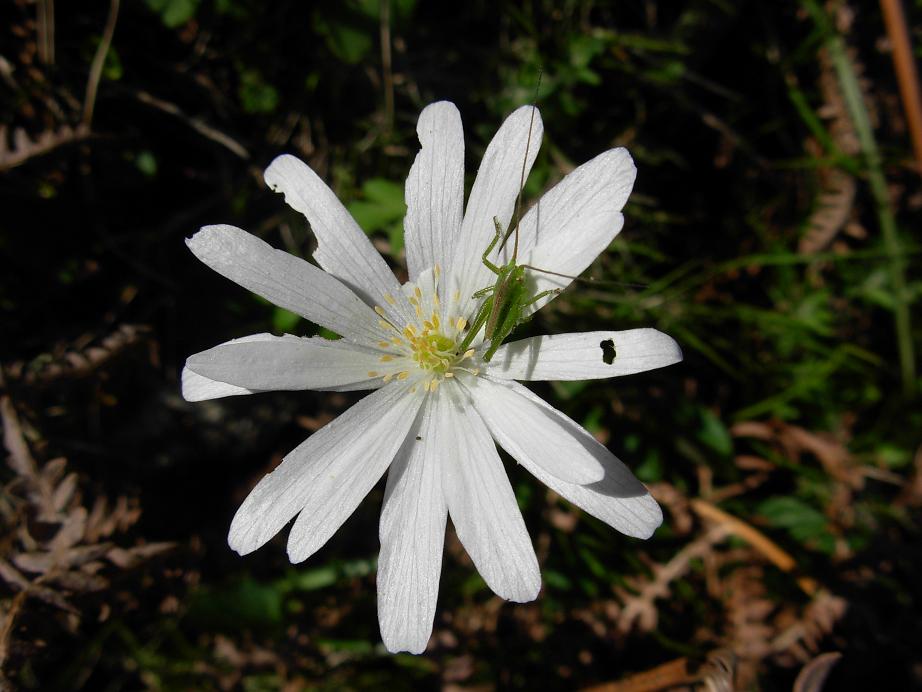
point(436, 410)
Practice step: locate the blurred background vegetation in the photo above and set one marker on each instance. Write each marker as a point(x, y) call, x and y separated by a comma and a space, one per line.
point(768, 233)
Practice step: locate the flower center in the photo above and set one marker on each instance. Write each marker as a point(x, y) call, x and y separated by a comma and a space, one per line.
point(428, 346)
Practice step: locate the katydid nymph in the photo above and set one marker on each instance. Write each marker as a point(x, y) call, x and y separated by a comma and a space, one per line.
point(504, 303)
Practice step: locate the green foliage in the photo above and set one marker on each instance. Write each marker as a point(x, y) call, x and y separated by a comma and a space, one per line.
point(805, 524)
point(174, 13)
point(381, 209)
point(256, 95)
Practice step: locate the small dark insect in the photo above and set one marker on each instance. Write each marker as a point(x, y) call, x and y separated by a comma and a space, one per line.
point(419, 437)
point(608, 351)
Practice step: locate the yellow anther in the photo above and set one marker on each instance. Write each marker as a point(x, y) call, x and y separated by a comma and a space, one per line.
point(386, 324)
point(409, 331)
point(456, 296)
point(372, 373)
point(436, 322)
point(437, 270)
point(460, 324)
point(426, 386)
point(434, 384)
point(449, 375)
point(428, 325)
point(435, 299)
point(413, 301)
point(403, 375)
point(467, 354)
point(380, 310)
point(419, 312)
point(389, 298)
point(386, 359)
point(384, 344)
point(418, 293)
point(388, 377)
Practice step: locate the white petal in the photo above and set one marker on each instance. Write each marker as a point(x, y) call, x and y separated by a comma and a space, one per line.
point(343, 248)
point(285, 280)
point(493, 195)
point(580, 356)
point(289, 363)
point(525, 429)
point(412, 533)
point(619, 499)
point(326, 476)
point(196, 387)
point(576, 220)
point(435, 189)
point(481, 503)
point(348, 474)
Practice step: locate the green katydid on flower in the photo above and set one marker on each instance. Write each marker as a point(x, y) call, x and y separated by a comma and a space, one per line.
point(438, 410)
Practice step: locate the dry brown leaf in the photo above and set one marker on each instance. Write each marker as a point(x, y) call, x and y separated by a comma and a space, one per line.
point(23, 148)
point(813, 675)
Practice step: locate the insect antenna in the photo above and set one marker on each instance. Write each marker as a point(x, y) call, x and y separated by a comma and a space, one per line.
point(585, 279)
point(514, 226)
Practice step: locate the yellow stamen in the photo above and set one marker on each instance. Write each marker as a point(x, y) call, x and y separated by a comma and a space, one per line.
point(380, 310)
point(384, 344)
point(372, 373)
point(386, 359)
point(389, 298)
point(461, 324)
point(403, 375)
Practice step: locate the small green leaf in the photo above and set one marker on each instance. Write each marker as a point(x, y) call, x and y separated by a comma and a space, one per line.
point(256, 96)
point(174, 13)
point(284, 321)
point(714, 433)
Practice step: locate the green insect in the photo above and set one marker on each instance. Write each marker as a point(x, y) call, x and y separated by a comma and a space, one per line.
point(504, 303)
point(503, 307)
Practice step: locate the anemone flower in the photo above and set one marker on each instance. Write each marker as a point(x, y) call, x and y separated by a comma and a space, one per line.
point(438, 407)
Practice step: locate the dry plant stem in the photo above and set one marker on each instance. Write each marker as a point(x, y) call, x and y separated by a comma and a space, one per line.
point(99, 60)
point(46, 31)
point(199, 126)
point(662, 677)
point(858, 111)
point(906, 74)
point(772, 552)
point(386, 68)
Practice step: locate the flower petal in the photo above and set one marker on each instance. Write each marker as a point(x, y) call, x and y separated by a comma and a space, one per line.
point(290, 363)
point(196, 387)
point(412, 532)
point(526, 430)
point(435, 189)
point(582, 356)
point(619, 499)
point(493, 195)
point(481, 503)
point(576, 220)
point(343, 248)
point(349, 473)
point(285, 280)
point(327, 475)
